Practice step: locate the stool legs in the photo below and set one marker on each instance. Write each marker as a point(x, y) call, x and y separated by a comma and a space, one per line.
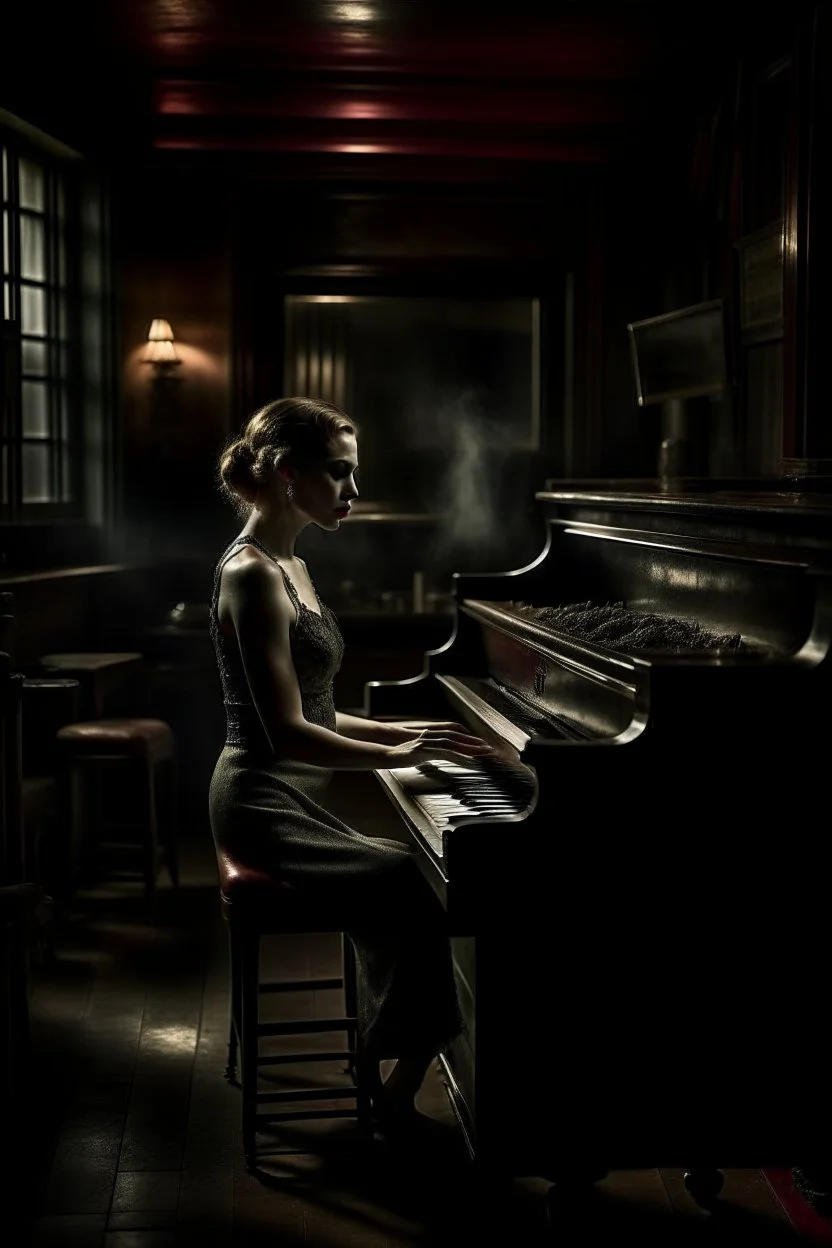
point(363, 1104)
point(249, 945)
point(66, 851)
point(170, 822)
point(79, 832)
point(150, 843)
point(246, 1028)
point(83, 780)
point(234, 1010)
point(161, 822)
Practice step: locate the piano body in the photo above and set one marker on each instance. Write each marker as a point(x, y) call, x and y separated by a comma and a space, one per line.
point(634, 884)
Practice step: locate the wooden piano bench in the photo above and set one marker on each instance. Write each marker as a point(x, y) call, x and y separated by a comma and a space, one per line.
point(142, 754)
point(255, 906)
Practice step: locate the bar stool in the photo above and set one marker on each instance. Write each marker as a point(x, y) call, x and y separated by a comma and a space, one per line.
point(254, 905)
point(144, 750)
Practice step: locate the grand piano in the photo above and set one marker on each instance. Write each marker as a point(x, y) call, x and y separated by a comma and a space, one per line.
point(635, 883)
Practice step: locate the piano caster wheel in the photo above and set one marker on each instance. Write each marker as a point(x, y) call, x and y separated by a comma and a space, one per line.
point(704, 1185)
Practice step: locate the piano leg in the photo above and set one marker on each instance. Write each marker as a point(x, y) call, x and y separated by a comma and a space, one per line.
point(704, 1184)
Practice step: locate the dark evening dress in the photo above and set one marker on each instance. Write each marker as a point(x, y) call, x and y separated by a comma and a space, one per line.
point(271, 814)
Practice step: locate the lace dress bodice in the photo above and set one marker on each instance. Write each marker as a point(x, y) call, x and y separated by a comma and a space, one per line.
point(317, 651)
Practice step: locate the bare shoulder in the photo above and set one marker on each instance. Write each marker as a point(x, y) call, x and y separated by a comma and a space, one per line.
point(250, 579)
point(249, 567)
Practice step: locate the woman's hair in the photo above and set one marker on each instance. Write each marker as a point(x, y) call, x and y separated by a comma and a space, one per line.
point(296, 428)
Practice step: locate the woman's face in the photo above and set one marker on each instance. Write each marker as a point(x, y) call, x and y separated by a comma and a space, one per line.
point(325, 490)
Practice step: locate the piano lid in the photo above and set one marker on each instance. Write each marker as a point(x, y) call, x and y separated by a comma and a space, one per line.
point(761, 512)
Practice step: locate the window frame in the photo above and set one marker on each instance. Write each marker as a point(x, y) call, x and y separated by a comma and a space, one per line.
point(61, 378)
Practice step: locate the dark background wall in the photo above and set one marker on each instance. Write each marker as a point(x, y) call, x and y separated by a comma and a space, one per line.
point(610, 162)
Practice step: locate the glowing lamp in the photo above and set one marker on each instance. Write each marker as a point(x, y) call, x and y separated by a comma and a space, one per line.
point(160, 348)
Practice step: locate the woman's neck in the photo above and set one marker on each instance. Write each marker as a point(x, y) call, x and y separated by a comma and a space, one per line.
point(274, 533)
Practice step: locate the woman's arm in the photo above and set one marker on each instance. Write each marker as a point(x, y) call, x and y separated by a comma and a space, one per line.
point(257, 602)
point(360, 728)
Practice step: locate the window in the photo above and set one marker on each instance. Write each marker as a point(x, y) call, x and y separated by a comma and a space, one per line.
point(57, 388)
point(39, 407)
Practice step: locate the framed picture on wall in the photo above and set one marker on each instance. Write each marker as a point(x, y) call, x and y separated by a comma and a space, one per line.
point(761, 284)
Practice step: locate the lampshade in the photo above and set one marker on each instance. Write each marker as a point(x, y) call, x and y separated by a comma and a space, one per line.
point(160, 331)
point(160, 348)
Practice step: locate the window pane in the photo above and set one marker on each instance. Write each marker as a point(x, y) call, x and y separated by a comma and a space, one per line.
point(34, 357)
point(7, 245)
point(7, 301)
point(32, 310)
point(35, 409)
point(66, 474)
point(64, 401)
point(31, 182)
point(32, 250)
point(36, 472)
point(4, 187)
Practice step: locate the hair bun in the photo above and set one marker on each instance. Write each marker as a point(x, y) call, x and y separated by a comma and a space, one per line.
point(243, 454)
point(300, 428)
point(236, 464)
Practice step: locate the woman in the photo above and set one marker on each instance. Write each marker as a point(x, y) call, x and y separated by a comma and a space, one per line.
point(278, 649)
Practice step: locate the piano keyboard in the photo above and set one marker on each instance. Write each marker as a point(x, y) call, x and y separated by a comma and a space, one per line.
point(449, 792)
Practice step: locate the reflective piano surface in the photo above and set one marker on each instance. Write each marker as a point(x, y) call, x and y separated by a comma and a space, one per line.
point(634, 872)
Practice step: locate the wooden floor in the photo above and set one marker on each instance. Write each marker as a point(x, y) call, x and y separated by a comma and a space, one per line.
point(131, 1138)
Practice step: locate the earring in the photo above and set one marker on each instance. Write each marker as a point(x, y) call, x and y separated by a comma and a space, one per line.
point(290, 489)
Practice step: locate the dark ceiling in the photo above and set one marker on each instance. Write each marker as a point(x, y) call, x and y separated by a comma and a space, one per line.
point(447, 91)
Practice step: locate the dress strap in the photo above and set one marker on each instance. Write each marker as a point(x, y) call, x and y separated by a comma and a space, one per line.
point(290, 589)
point(239, 540)
point(246, 539)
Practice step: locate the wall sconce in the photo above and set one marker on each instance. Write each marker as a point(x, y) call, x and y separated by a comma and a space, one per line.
point(160, 349)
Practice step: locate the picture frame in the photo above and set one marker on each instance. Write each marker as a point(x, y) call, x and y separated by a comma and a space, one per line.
point(680, 354)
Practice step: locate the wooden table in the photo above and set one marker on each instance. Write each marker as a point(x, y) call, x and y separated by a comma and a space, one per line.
point(108, 680)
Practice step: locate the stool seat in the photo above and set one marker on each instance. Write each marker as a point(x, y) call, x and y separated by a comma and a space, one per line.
point(150, 738)
point(259, 899)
